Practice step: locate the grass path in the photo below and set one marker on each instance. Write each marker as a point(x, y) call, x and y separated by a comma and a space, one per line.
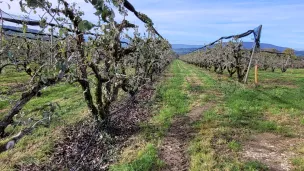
point(165, 139)
point(174, 146)
point(205, 121)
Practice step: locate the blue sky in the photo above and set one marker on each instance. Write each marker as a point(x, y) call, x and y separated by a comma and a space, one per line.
point(203, 21)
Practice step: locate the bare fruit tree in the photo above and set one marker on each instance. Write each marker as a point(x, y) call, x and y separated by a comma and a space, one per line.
point(102, 65)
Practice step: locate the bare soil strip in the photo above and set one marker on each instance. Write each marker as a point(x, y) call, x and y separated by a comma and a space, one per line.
point(273, 150)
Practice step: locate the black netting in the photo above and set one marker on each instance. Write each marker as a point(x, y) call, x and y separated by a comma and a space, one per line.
point(29, 32)
point(256, 32)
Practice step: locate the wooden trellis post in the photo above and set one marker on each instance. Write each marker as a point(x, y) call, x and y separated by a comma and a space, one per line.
point(52, 34)
point(256, 73)
point(257, 36)
point(249, 65)
point(1, 31)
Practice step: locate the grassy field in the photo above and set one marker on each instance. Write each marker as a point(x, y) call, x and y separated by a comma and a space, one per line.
point(232, 126)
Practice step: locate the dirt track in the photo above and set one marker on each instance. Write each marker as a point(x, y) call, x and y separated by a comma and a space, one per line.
point(173, 150)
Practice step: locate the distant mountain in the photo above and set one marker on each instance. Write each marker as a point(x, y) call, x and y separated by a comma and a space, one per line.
point(300, 54)
point(249, 45)
point(182, 49)
point(183, 46)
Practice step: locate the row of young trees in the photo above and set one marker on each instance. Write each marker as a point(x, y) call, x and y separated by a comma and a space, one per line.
point(222, 57)
point(271, 59)
point(102, 66)
point(234, 59)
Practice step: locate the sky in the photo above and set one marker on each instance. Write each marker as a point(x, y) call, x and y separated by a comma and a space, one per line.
point(198, 22)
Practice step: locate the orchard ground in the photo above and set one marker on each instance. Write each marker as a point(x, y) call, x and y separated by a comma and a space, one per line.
point(198, 120)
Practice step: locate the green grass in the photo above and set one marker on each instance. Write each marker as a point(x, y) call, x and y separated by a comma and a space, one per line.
point(250, 107)
point(147, 159)
point(255, 166)
point(173, 101)
point(242, 111)
point(9, 79)
point(299, 163)
point(234, 145)
point(36, 147)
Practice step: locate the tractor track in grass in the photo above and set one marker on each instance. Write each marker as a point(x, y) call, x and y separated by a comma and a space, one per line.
point(173, 150)
point(174, 147)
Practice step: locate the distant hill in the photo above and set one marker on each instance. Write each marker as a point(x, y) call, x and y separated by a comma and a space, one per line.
point(182, 49)
point(184, 46)
point(300, 54)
